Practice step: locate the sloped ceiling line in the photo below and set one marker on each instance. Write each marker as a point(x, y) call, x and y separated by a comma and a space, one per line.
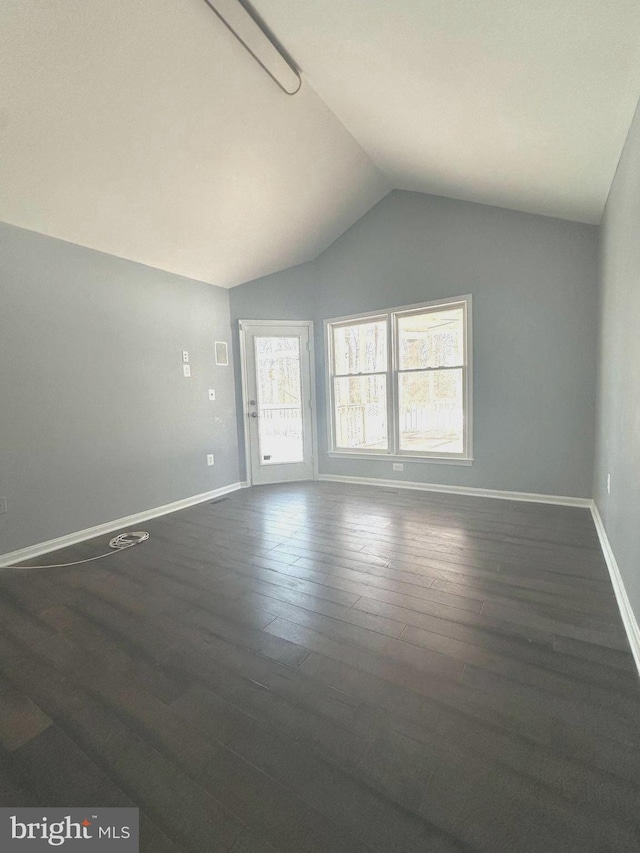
point(145, 129)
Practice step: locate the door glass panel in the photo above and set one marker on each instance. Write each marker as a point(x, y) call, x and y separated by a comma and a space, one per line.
point(279, 400)
point(431, 411)
point(361, 411)
point(433, 339)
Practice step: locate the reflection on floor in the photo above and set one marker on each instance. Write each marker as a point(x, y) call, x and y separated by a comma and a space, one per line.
point(319, 667)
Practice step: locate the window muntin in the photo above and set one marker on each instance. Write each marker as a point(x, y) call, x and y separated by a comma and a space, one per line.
point(400, 382)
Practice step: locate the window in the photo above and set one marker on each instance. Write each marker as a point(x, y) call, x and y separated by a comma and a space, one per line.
point(400, 382)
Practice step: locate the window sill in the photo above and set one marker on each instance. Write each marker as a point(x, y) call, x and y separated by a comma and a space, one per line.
point(405, 457)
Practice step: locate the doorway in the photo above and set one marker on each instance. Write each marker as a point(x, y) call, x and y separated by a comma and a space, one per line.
point(278, 400)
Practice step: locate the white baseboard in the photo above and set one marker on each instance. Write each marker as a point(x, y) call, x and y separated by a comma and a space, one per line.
point(527, 497)
point(628, 616)
point(81, 535)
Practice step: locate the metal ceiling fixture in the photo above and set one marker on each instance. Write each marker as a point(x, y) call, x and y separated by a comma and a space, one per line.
point(255, 38)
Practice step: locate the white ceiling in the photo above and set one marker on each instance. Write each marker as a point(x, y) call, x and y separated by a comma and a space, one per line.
point(143, 129)
point(523, 104)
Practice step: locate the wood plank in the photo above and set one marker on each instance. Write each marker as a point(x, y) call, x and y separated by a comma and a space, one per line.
point(20, 718)
point(331, 668)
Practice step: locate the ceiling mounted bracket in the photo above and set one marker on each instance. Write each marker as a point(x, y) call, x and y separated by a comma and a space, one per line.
point(256, 39)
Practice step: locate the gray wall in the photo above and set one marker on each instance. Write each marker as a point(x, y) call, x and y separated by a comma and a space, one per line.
point(618, 421)
point(534, 286)
point(96, 419)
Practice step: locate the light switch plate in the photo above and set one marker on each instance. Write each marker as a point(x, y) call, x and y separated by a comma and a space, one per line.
point(185, 356)
point(212, 394)
point(209, 458)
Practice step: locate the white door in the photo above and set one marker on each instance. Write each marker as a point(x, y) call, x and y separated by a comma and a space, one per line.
point(277, 390)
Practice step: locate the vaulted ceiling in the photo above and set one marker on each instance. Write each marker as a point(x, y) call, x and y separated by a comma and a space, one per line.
point(142, 128)
point(523, 104)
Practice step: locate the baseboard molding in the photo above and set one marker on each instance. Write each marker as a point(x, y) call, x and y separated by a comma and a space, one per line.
point(41, 548)
point(624, 605)
point(527, 497)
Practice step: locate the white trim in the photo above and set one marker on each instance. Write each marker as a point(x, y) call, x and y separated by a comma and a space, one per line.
point(245, 397)
point(526, 497)
point(383, 312)
point(396, 457)
point(244, 323)
point(624, 605)
point(88, 533)
point(314, 400)
point(468, 375)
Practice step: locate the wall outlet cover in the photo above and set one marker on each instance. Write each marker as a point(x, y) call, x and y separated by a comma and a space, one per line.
point(185, 356)
point(398, 466)
point(209, 458)
point(186, 369)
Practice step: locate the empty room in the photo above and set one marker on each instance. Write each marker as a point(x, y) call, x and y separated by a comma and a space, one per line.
point(320, 426)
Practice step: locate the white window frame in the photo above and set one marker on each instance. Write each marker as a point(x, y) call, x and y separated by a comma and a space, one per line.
point(394, 452)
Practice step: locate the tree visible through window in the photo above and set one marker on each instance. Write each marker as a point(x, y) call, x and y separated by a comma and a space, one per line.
point(400, 381)
point(360, 384)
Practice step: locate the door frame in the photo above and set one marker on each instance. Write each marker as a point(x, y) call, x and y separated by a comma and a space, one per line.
point(284, 324)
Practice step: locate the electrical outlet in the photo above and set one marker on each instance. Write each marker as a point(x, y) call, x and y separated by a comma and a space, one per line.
point(209, 458)
point(3, 505)
point(185, 356)
point(608, 484)
point(186, 370)
point(398, 466)
point(212, 394)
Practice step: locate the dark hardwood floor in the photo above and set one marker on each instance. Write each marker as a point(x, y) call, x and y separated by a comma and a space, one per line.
point(316, 667)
